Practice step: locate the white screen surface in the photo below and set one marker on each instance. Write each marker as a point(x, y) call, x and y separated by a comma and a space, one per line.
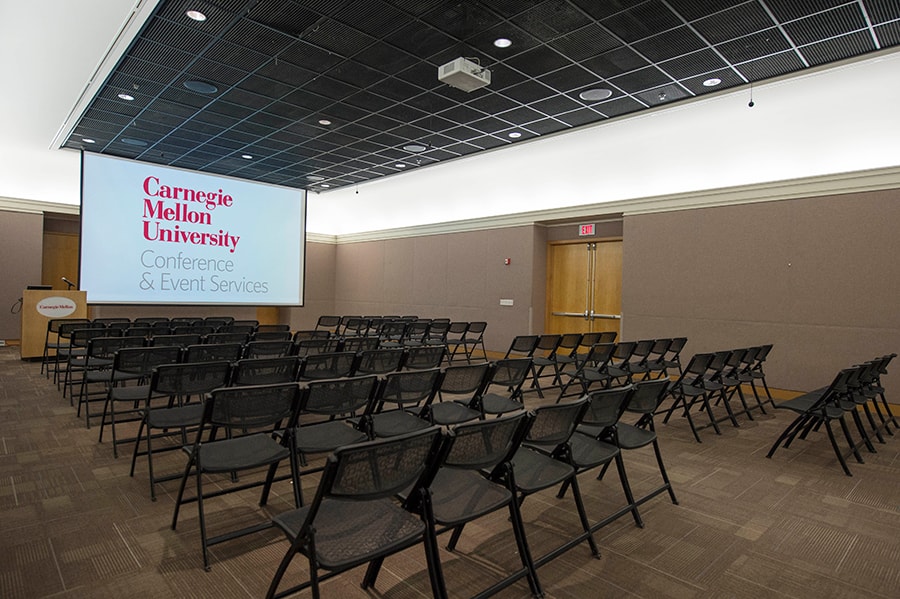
point(152, 234)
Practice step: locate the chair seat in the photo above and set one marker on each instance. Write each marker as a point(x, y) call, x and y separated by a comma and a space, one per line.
point(588, 452)
point(240, 453)
point(462, 495)
point(451, 412)
point(396, 422)
point(633, 437)
point(133, 393)
point(327, 436)
point(535, 470)
point(189, 415)
point(349, 535)
point(499, 404)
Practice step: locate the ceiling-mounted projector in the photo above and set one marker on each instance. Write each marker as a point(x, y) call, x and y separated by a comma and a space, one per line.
point(464, 74)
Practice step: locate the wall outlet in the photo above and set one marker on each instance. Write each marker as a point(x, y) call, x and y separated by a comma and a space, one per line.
point(506, 302)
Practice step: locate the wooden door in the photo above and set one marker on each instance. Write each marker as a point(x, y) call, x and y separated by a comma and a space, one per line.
point(584, 287)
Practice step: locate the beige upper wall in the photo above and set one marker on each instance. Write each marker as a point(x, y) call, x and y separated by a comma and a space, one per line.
point(816, 277)
point(21, 238)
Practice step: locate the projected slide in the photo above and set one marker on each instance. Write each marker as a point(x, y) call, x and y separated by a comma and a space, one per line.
point(156, 235)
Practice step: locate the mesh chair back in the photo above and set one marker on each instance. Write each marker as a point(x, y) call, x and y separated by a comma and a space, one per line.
point(226, 337)
point(484, 443)
point(264, 371)
point(607, 337)
point(181, 340)
point(310, 334)
point(218, 321)
point(468, 379)
point(328, 323)
point(268, 349)
point(137, 330)
point(355, 326)
point(252, 407)
point(642, 349)
point(424, 357)
point(647, 396)
point(310, 347)
point(209, 352)
point(554, 424)
point(606, 406)
point(246, 329)
point(106, 347)
point(359, 344)
point(568, 344)
point(79, 338)
point(272, 336)
point(589, 339)
point(327, 366)
point(269, 328)
point(697, 367)
point(416, 332)
point(522, 345)
point(338, 397)
point(380, 468)
point(511, 373)
point(546, 345)
point(411, 387)
point(380, 361)
point(600, 355)
point(195, 378)
point(150, 320)
point(141, 361)
point(393, 331)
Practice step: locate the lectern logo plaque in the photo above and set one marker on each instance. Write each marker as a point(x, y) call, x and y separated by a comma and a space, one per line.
point(56, 307)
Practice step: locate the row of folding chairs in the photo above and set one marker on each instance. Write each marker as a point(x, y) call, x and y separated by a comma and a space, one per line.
point(461, 338)
point(852, 389)
point(717, 378)
point(378, 494)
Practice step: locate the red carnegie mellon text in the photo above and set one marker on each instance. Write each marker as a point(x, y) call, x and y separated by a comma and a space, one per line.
point(165, 204)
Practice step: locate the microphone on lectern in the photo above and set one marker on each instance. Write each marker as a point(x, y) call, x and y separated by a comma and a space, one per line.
point(68, 282)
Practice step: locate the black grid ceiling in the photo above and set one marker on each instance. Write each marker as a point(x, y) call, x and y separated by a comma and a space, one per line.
point(370, 67)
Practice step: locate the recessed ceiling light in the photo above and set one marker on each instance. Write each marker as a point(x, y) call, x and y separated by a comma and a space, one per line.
point(314, 178)
point(325, 122)
point(246, 156)
point(88, 140)
point(130, 141)
point(595, 95)
point(515, 135)
point(125, 96)
point(414, 148)
point(712, 82)
point(325, 186)
point(196, 15)
point(502, 42)
point(400, 165)
point(201, 87)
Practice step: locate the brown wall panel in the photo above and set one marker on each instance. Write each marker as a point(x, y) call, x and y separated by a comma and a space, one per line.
point(20, 254)
point(461, 276)
point(318, 288)
point(816, 277)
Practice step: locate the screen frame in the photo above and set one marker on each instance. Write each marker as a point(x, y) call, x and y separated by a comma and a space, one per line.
point(302, 248)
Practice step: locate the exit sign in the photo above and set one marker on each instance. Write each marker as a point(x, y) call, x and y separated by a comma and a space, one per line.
point(586, 230)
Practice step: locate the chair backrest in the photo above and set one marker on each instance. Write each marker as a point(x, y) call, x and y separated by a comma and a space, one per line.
point(80, 337)
point(393, 330)
point(554, 424)
point(642, 349)
point(647, 396)
point(235, 327)
point(696, 368)
point(599, 355)
point(375, 469)
point(546, 345)
point(475, 330)
point(359, 344)
point(218, 321)
point(416, 332)
point(589, 339)
point(437, 331)
point(268, 349)
point(150, 320)
point(466, 380)
point(247, 322)
point(510, 373)
point(264, 371)
point(659, 349)
point(718, 363)
point(761, 355)
point(483, 444)
point(180, 340)
point(355, 326)
point(310, 334)
point(522, 346)
point(142, 360)
point(226, 337)
point(380, 361)
point(337, 397)
point(424, 357)
point(271, 328)
point(329, 323)
point(67, 324)
point(568, 343)
point(407, 388)
point(193, 378)
point(607, 337)
point(310, 347)
point(209, 352)
point(457, 329)
point(605, 406)
point(676, 346)
point(623, 352)
point(272, 336)
point(252, 408)
point(106, 347)
point(193, 329)
point(327, 366)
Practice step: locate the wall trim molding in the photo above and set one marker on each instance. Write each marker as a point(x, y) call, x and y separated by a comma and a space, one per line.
point(37, 207)
point(790, 189)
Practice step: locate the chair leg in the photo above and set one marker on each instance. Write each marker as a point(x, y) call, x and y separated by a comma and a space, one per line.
point(662, 471)
point(787, 433)
point(837, 450)
point(626, 487)
point(202, 516)
point(582, 515)
point(181, 487)
point(854, 448)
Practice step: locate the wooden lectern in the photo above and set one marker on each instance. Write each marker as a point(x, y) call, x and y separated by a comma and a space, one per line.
point(40, 306)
